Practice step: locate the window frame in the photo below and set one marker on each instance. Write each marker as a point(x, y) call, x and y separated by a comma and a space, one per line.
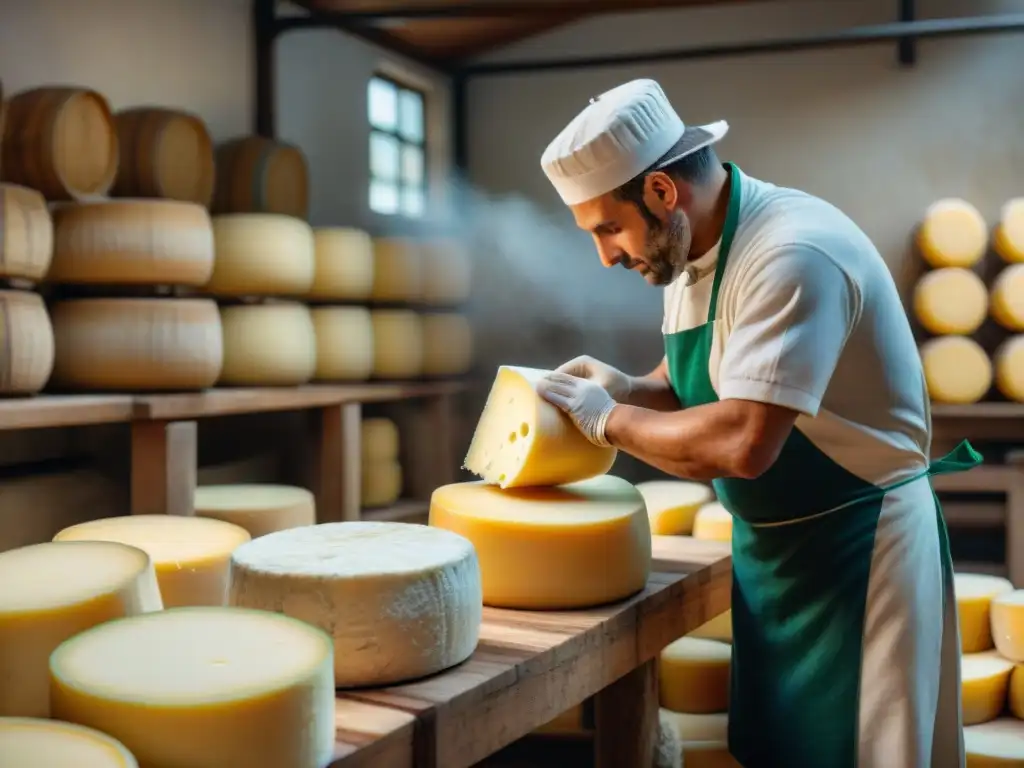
point(423, 145)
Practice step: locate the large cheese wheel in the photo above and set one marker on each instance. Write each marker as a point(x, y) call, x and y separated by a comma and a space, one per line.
point(397, 270)
point(1008, 237)
point(571, 546)
point(998, 744)
point(143, 242)
point(344, 343)
point(401, 601)
point(719, 628)
point(38, 743)
point(953, 233)
point(447, 344)
point(344, 264)
point(268, 345)
point(694, 676)
point(447, 272)
point(260, 175)
point(397, 344)
point(1008, 362)
point(262, 254)
point(985, 682)
point(1007, 614)
point(26, 233)
point(1007, 304)
point(974, 595)
point(713, 522)
point(52, 591)
point(258, 508)
point(523, 440)
point(137, 344)
point(956, 369)
point(192, 555)
point(951, 300)
point(381, 483)
point(203, 687)
point(28, 350)
point(673, 504)
point(379, 439)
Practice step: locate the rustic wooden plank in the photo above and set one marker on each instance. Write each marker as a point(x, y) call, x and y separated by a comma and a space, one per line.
point(372, 737)
point(338, 460)
point(164, 465)
point(64, 411)
point(626, 719)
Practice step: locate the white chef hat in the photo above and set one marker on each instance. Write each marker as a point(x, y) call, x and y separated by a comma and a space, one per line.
point(619, 135)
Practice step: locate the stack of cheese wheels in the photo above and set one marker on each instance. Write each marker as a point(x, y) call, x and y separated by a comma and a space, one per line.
point(447, 344)
point(344, 343)
point(1008, 237)
point(191, 554)
point(268, 344)
point(397, 270)
point(29, 742)
point(344, 265)
point(957, 370)
point(713, 522)
point(447, 272)
point(400, 601)
point(397, 343)
point(261, 175)
point(258, 508)
point(951, 300)
point(1007, 306)
point(974, 595)
point(381, 468)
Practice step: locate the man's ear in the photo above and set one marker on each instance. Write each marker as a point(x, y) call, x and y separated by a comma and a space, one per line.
point(661, 194)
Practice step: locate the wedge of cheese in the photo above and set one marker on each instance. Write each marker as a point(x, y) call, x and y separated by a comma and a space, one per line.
point(38, 743)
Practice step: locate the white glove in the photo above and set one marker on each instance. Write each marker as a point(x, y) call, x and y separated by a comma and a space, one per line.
point(586, 402)
point(615, 382)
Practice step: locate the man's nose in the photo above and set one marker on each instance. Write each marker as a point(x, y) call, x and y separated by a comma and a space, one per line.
point(610, 257)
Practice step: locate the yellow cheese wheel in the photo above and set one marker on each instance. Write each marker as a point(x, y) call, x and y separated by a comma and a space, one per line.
point(694, 676)
point(1008, 362)
point(1008, 237)
point(713, 522)
point(203, 687)
point(953, 233)
point(27, 742)
point(523, 440)
point(28, 352)
point(998, 744)
point(956, 369)
point(1015, 696)
point(141, 242)
point(571, 546)
point(1007, 615)
point(719, 628)
point(400, 601)
point(262, 254)
point(974, 595)
point(258, 508)
point(1007, 305)
point(137, 344)
point(570, 721)
point(344, 343)
point(695, 727)
point(447, 344)
point(379, 439)
point(191, 554)
point(268, 345)
point(951, 300)
point(673, 504)
point(397, 269)
point(447, 272)
point(52, 591)
point(381, 483)
point(397, 344)
point(26, 233)
point(344, 264)
point(985, 683)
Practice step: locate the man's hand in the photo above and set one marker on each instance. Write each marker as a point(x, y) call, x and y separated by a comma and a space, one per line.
point(585, 401)
point(616, 383)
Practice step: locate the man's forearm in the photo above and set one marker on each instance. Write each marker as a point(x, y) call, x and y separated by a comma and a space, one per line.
point(653, 391)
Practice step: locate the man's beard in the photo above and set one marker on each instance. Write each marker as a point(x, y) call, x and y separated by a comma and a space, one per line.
point(666, 250)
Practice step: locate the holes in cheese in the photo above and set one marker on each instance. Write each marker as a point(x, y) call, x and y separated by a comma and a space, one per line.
point(400, 601)
point(1007, 621)
point(268, 345)
point(974, 595)
point(672, 504)
point(344, 264)
point(381, 483)
point(379, 439)
point(397, 269)
point(953, 233)
point(571, 546)
point(52, 591)
point(523, 440)
point(203, 687)
point(262, 254)
point(37, 743)
point(713, 522)
point(985, 682)
point(1008, 237)
point(998, 743)
point(1007, 304)
point(447, 272)
point(719, 628)
point(694, 676)
point(397, 344)
point(191, 554)
point(258, 508)
point(956, 369)
point(26, 232)
point(28, 352)
point(951, 300)
point(344, 343)
point(447, 344)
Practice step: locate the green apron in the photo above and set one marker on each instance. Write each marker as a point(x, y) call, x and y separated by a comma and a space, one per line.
point(800, 588)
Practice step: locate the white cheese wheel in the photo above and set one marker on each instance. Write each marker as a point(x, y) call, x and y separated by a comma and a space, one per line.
point(38, 743)
point(447, 272)
point(985, 683)
point(523, 440)
point(52, 591)
point(344, 343)
point(379, 439)
point(381, 483)
point(258, 508)
point(719, 628)
point(1007, 303)
point(28, 352)
point(673, 504)
point(571, 546)
point(139, 242)
point(397, 344)
point(974, 595)
point(203, 687)
point(26, 233)
point(953, 233)
point(693, 676)
point(1008, 362)
point(956, 369)
point(268, 345)
point(262, 254)
point(1008, 237)
point(713, 522)
point(400, 601)
point(1007, 621)
point(694, 727)
point(137, 344)
point(951, 300)
point(192, 555)
point(998, 744)
point(397, 269)
point(344, 264)
point(447, 344)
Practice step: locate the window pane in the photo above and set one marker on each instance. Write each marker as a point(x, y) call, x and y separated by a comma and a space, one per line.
point(383, 104)
point(383, 196)
point(410, 113)
point(412, 165)
point(384, 156)
point(413, 201)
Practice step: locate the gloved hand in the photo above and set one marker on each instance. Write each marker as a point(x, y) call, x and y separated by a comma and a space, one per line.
point(615, 382)
point(586, 402)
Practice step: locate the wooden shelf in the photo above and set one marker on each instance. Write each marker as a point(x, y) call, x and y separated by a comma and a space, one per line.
point(979, 411)
point(44, 411)
point(403, 511)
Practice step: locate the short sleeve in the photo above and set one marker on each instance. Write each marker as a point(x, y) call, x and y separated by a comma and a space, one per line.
point(791, 321)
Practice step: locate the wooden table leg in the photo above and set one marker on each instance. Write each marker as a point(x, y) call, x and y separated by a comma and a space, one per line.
point(626, 720)
point(164, 465)
point(339, 466)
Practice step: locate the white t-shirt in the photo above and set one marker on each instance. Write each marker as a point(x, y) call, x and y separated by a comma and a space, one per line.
point(809, 318)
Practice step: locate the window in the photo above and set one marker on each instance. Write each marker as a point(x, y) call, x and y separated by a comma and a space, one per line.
point(398, 180)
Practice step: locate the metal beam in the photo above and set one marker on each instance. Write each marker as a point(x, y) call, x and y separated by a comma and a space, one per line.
point(263, 17)
point(907, 48)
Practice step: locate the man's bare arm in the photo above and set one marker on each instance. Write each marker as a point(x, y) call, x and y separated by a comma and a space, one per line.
point(653, 391)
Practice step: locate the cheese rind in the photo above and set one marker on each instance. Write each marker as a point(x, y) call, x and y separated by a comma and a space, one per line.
point(974, 595)
point(996, 744)
point(673, 504)
point(694, 676)
point(344, 343)
point(1008, 362)
point(571, 546)
point(1008, 237)
point(271, 345)
point(713, 523)
point(262, 254)
point(28, 351)
point(957, 370)
point(27, 742)
point(985, 682)
point(344, 264)
point(1007, 621)
point(953, 233)
point(400, 601)
point(259, 508)
point(26, 232)
point(951, 300)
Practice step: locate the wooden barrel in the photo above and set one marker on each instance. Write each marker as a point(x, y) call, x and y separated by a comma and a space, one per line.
point(260, 175)
point(165, 154)
point(60, 141)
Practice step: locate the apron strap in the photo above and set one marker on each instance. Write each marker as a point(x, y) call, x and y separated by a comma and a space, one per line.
point(960, 459)
point(732, 219)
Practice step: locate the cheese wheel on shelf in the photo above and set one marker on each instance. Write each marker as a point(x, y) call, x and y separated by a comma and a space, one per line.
point(191, 555)
point(953, 233)
point(951, 300)
point(713, 523)
point(344, 264)
point(259, 508)
point(379, 439)
point(1015, 696)
point(447, 344)
point(52, 591)
point(140, 242)
point(268, 345)
point(26, 233)
point(397, 344)
point(571, 546)
point(974, 595)
point(998, 744)
point(261, 254)
point(523, 440)
point(693, 676)
point(137, 344)
point(28, 353)
point(397, 269)
point(381, 483)
point(447, 272)
point(1008, 237)
point(401, 601)
point(695, 727)
point(1007, 302)
point(203, 687)
point(719, 628)
point(957, 370)
point(27, 742)
point(1008, 362)
point(1007, 620)
point(985, 683)
point(344, 343)
point(673, 504)
point(260, 175)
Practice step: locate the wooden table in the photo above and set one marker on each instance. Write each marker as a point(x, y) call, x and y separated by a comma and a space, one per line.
point(531, 666)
